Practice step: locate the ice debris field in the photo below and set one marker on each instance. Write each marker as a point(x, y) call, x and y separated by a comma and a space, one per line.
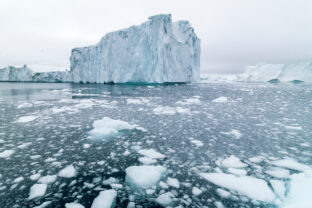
point(196, 145)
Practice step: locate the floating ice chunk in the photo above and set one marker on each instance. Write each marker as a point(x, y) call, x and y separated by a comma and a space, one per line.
point(22, 146)
point(220, 100)
point(144, 177)
point(24, 105)
point(116, 185)
point(73, 205)
point(189, 101)
point(291, 164)
point(219, 204)
point(278, 172)
point(35, 177)
point(173, 182)
point(164, 110)
point(37, 190)
point(165, 199)
point(256, 159)
point(106, 199)
point(223, 193)
point(6, 153)
point(131, 205)
point(147, 160)
point(232, 162)
point(278, 187)
point(49, 179)
point(299, 194)
point(294, 127)
point(43, 205)
point(252, 187)
point(196, 191)
point(110, 180)
point(233, 132)
point(25, 119)
point(108, 126)
point(68, 172)
point(137, 101)
point(198, 143)
point(19, 179)
point(151, 153)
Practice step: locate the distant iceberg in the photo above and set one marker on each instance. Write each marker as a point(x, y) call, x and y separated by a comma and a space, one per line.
point(25, 74)
point(157, 51)
point(297, 72)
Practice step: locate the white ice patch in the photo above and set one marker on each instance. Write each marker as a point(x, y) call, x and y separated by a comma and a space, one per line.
point(237, 134)
point(108, 126)
point(291, 164)
point(19, 179)
point(190, 101)
point(278, 187)
point(165, 199)
point(37, 190)
point(278, 172)
point(232, 162)
point(49, 179)
point(144, 177)
point(196, 191)
point(166, 110)
point(173, 182)
point(106, 199)
point(138, 101)
point(68, 172)
point(151, 153)
point(198, 143)
point(249, 186)
point(25, 119)
point(73, 205)
point(35, 177)
point(220, 100)
point(6, 153)
point(147, 160)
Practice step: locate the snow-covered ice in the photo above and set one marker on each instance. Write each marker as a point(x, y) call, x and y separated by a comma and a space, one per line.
point(68, 172)
point(145, 176)
point(37, 190)
point(106, 199)
point(156, 51)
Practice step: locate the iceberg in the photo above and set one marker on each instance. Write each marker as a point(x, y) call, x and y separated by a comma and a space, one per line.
point(157, 51)
point(297, 72)
point(25, 74)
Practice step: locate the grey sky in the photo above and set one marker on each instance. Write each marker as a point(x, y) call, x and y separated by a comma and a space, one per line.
point(234, 33)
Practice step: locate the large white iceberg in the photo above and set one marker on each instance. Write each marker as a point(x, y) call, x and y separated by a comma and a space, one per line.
point(157, 51)
point(278, 72)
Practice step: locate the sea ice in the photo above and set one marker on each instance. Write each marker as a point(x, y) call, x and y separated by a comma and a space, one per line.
point(145, 176)
point(25, 119)
point(252, 187)
point(6, 153)
point(196, 191)
point(68, 172)
point(108, 126)
point(151, 153)
point(165, 199)
point(49, 179)
point(106, 199)
point(147, 160)
point(19, 179)
point(232, 162)
point(73, 205)
point(220, 100)
point(173, 182)
point(37, 190)
point(291, 164)
point(278, 172)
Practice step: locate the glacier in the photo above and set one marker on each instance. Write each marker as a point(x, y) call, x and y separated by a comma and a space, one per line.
point(25, 74)
point(296, 72)
point(157, 51)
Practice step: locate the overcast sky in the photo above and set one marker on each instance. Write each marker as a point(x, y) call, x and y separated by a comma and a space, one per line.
point(233, 33)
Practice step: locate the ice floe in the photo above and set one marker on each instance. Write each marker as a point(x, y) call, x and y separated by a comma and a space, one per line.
point(6, 153)
point(25, 119)
point(37, 190)
point(151, 153)
point(220, 100)
point(249, 186)
point(145, 176)
point(165, 199)
point(291, 164)
point(68, 172)
point(73, 205)
point(232, 162)
point(49, 179)
point(173, 182)
point(106, 199)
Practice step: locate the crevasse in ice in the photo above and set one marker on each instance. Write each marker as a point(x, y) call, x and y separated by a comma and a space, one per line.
point(156, 51)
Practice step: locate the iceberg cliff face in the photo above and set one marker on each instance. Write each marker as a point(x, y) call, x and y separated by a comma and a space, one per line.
point(156, 51)
point(278, 72)
point(56, 76)
point(16, 74)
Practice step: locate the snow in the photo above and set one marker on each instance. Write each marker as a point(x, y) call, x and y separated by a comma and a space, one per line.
point(299, 194)
point(252, 187)
point(73, 205)
point(156, 51)
point(37, 190)
point(151, 153)
point(68, 172)
point(49, 179)
point(220, 100)
point(108, 126)
point(6, 153)
point(232, 162)
point(282, 72)
point(144, 177)
point(173, 182)
point(291, 164)
point(106, 199)
point(165, 199)
point(25, 119)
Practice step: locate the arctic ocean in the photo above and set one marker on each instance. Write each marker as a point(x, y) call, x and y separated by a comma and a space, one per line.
point(190, 145)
